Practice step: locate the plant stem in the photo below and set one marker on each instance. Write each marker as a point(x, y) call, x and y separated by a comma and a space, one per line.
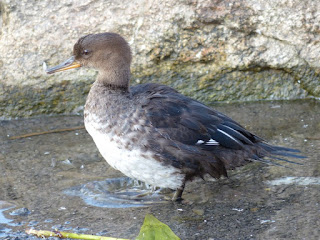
point(59, 234)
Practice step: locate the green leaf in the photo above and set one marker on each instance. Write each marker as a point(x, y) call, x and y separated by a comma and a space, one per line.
point(153, 229)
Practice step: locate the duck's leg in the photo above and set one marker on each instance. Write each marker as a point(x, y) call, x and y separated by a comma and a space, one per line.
point(177, 196)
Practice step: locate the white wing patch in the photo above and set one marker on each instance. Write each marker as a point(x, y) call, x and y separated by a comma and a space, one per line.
point(211, 142)
point(199, 142)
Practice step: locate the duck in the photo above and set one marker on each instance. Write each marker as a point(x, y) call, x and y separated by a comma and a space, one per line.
point(151, 132)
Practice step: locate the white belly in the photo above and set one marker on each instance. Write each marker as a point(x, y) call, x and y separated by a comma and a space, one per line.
point(135, 163)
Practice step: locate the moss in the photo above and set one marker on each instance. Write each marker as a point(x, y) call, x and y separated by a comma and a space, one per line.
point(30, 100)
point(309, 79)
point(212, 83)
point(206, 82)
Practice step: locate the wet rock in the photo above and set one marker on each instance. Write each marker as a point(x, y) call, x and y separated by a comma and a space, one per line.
point(20, 212)
point(211, 50)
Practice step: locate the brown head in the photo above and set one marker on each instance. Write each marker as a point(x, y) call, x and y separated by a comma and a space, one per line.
point(108, 53)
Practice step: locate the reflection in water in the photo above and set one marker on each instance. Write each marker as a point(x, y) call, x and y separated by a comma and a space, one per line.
point(5, 222)
point(304, 181)
point(121, 192)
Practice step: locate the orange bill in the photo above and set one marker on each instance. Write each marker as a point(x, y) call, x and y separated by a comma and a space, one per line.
point(68, 64)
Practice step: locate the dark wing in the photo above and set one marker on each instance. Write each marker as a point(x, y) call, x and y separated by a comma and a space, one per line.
point(191, 122)
point(211, 141)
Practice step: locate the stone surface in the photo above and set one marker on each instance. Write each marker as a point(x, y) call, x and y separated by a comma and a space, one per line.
point(211, 50)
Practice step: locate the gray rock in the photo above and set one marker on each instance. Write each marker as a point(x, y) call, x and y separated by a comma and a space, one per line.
point(20, 212)
point(211, 50)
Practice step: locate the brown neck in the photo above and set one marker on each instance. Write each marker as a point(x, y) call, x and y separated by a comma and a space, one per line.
point(115, 79)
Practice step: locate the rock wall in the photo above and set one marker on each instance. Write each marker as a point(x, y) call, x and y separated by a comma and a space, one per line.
point(212, 50)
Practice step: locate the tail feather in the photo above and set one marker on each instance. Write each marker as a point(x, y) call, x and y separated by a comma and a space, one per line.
point(285, 154)
point(274, 151)
point(271, 148)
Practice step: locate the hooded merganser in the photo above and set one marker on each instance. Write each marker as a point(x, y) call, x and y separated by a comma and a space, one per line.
point(152, 133)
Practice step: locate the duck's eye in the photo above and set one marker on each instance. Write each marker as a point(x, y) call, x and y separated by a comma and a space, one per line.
point(86, 52)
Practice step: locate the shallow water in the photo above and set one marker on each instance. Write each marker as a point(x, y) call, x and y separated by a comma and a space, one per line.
point(52, 181)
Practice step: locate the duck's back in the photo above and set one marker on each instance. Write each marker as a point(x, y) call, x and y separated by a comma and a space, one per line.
point(199, 138)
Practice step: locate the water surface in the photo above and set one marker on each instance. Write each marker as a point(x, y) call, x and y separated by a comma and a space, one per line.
point(256, 202)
